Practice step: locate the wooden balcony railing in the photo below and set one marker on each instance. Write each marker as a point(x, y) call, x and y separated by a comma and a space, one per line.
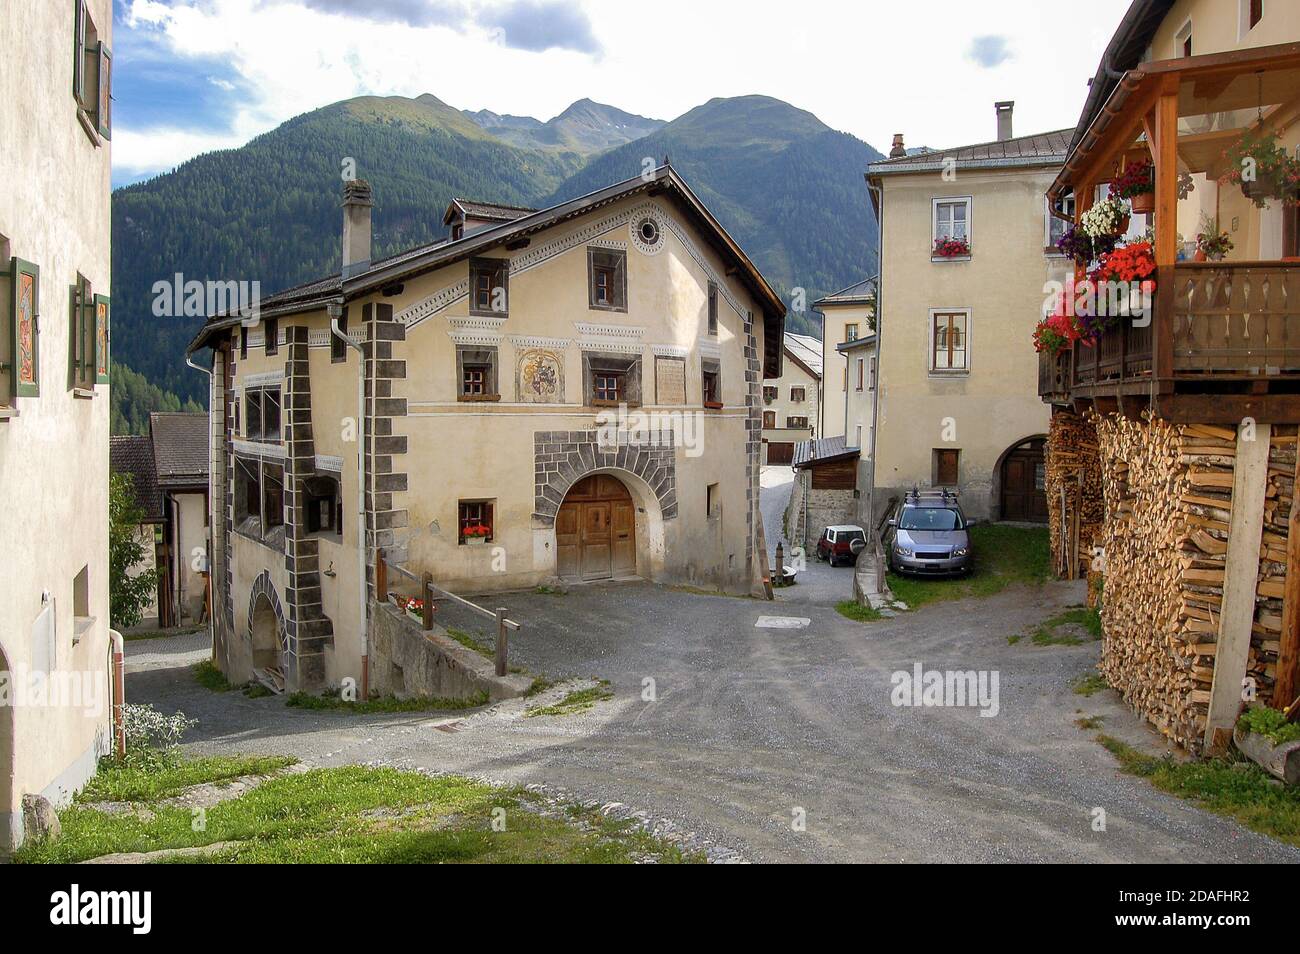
point(1229, 322)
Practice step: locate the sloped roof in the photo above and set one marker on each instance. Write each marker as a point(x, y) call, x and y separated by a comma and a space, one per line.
point(180, 447)
point(822, 450)
point(1040, 149)
point(859, 293)
point(133, 454)
point(807, 350)
point(486, 210)
point(666, 181)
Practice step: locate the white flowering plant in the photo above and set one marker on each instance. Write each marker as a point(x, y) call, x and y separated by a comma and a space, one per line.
point(1106, 217)
point(151, 737)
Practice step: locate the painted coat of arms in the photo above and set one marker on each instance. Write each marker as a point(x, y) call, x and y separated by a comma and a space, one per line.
point(540, 377)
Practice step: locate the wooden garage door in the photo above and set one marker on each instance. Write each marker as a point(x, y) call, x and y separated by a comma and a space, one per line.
point(780, 452)
point(595, 531)
point(1023, 495)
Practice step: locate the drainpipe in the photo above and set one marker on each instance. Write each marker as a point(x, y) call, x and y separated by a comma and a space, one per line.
point(119, 694)
point(335, 311)
point(877, 193)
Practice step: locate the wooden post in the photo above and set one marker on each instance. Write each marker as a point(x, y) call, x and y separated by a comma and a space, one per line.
point(426, 594)
point(502, 648)
point(779, 571)
point(1166, 250)
point(1285, 689)
point(381, 576)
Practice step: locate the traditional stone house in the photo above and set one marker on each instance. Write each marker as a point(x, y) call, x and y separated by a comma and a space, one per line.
point(169, 467)
point(1172, 459)
point(968, 250)
point(791, 403)
point(54, 364)
point(573, 393)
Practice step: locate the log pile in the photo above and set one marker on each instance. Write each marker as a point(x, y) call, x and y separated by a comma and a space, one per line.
point(1168, 494)
point(1075, 506)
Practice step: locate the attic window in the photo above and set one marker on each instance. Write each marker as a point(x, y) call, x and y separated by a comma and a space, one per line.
point(607, 279)
point(489, 278)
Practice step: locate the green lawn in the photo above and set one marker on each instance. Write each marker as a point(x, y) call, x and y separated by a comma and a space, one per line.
point(307, 700)
point(353, 815)
point(579, 700)
point(1003, 556)
point(1242, 791)
point(132, 782)
point(852, 609)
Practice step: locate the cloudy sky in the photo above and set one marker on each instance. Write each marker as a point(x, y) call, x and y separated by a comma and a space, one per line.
point(196, 75)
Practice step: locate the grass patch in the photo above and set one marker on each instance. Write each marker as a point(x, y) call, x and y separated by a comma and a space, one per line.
point(1270, 723)
point(133, 635)
point(545, 590)
point(306, 700)
point(1240, 790)
point(1088, 722)
point(357, 815)
point(1012, 640)
point(131, 782)
point(578, 701)
point(1075, 626)
point(207, 675)
point(852, 609)
point(255, 690)
point(469, 642)
point(1090, 685)
point(1003, 556)
point(538, 686)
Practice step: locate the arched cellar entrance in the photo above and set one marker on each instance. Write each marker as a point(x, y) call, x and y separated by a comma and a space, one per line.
point(595, 530)
point(1022, 479)
point(268, 640)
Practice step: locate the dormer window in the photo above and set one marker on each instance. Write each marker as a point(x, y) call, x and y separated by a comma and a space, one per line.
point(489, 289)
point(607, 279)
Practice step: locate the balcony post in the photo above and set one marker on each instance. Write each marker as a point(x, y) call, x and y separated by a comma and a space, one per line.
point(1166, 250)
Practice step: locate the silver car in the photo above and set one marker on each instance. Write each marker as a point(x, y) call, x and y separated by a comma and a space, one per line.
point(928, 536)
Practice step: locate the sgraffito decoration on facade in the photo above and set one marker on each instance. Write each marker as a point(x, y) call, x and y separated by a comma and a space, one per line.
point(540, 376)
point(26, 328)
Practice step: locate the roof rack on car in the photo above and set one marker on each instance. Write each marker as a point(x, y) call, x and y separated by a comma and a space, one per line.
point(916, 495)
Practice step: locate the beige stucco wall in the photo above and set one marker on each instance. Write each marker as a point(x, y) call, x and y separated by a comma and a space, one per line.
point(793, 375)
point(995, 405)
point(190, 512)
point(485, 450)
point(835, 374)
point(1217, 26)
point(54, 212)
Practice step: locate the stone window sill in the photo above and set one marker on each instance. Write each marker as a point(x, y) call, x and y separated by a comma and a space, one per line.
point(88, 125)
point(713, 405)
point(83, 394)
point(478, 398)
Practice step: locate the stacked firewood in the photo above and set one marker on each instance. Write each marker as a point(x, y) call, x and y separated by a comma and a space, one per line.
point(1266, 634)
point(1075, 506)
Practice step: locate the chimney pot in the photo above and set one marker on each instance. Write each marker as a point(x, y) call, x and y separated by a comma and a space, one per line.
point(357, 203)
point(1004, 110)
point(898, 148)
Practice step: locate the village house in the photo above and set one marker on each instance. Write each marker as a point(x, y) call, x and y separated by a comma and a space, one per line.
point(968, 249)
point(792, 402)
point(1172, 459)
point(569, 394)
point(848, 317)
point(169, 469)
point(54, 369)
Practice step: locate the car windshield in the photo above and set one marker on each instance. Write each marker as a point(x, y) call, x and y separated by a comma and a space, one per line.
point(929, 518)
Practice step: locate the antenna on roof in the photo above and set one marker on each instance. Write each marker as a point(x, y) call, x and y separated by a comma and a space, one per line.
point(666, 159)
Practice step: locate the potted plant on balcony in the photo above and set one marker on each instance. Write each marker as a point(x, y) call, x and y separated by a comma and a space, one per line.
point(1132, 266)
point(1212, 244)
point(1082, 247)
point(476, 534)
point(1055, 333)
point(1109, 217)
point(1137, 183)
point(1261, 166)
point(951, 247)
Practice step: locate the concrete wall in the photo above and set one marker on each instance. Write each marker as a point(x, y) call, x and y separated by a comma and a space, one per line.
point(994, 405)
point(812, 511)
point(54, 212)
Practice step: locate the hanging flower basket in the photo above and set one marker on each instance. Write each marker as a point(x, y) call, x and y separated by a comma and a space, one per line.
point(1137, 183)
point(1263, 169)
point(1109, 217)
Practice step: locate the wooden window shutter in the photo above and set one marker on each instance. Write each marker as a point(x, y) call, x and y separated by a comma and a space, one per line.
point(24, 312)
point(99, 328)
point(78, 365)
point(104, 101)
point(78, 50)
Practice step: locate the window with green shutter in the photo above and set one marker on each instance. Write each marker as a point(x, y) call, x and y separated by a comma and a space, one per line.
point(101, 338)
point(92, 75)
point(24, 366)
point(84, 356)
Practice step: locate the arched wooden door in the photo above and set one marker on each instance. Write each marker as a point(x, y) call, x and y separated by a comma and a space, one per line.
point(595, 530)
point(1023, 482)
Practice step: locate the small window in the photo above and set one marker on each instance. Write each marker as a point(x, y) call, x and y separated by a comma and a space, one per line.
point(272, 495)
point(946, 467)
point(489, 284)
point(712, 501)
point(272, 335)
point(711, 385)
point(851, 331)
point(951, 228)
point(797, 395)
point(1055, 225)
point(607, 279)
point(769, 420)
point(713, 308)
point(474, 521)
point(476, 369)
point(862, 373)
point(770, 393)
point(607, 387)
point(263, 414)
point(949, 344)
point(611, 379)
point(339, 347)
point(796, 422)
point(324, 508)
point(243, 341)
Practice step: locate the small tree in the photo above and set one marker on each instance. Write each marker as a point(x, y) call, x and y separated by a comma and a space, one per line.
point(128, 594)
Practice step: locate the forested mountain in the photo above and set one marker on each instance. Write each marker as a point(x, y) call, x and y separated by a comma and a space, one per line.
point(786, 186)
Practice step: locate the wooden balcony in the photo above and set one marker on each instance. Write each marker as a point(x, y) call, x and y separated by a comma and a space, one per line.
point(1223, 344)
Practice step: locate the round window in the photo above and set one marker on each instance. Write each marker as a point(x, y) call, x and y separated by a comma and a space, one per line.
point(647, 234)
point(650, 231)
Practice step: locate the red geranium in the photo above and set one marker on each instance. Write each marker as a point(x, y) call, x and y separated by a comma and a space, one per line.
point(1134, 262)
point(951, 247)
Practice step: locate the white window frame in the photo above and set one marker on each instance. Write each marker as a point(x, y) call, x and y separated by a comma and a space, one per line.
point(1049, 247)
point(1243, 20)
point(1184, 34)
point(935, 202)
point(929, 342)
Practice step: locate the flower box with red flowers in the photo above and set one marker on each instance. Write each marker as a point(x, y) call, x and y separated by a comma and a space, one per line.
point(951, 248)
point(476, 534)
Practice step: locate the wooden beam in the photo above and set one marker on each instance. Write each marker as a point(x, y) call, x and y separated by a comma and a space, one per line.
point(1166, 223)
point(1237, 617)
point(1286, 688)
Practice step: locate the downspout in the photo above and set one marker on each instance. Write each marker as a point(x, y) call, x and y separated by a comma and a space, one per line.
point(118, 692)
point(335, 311)
point(877, 194)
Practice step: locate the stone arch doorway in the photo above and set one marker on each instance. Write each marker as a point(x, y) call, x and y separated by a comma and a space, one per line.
point(266, 633)
point(10, 813)
point(1022, 481)
point(595, 530)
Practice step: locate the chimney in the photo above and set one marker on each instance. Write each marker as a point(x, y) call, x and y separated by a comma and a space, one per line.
point(1004, 109)
point(897, 149)
point(357, 204)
